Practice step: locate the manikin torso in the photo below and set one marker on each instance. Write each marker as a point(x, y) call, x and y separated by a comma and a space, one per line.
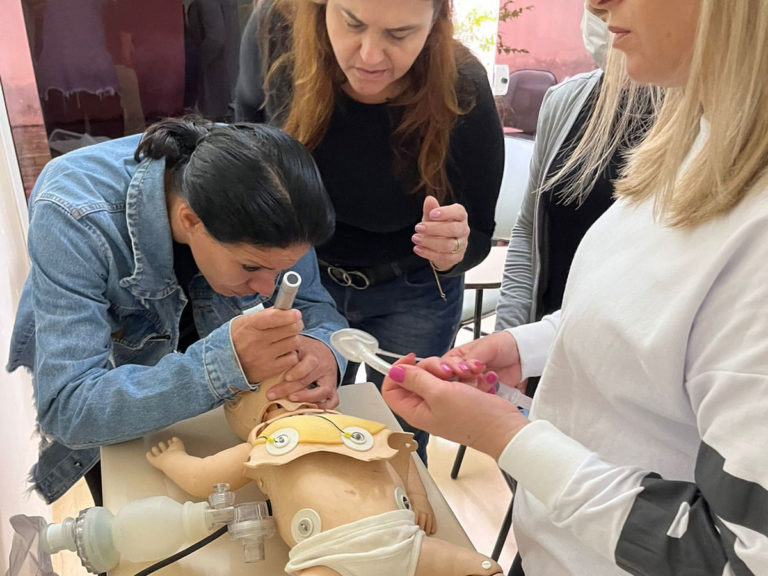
point(332, 481)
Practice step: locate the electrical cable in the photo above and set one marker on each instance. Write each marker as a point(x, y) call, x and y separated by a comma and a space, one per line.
point(181, 554)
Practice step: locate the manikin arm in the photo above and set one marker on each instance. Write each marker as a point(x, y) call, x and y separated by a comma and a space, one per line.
point(197, 476)
point(405, 466)
point(417, 494)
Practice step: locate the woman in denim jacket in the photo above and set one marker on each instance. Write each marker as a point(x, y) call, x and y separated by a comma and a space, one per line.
point(123, 236)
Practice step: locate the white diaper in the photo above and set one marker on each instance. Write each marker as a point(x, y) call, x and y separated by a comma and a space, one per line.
point(380, 545)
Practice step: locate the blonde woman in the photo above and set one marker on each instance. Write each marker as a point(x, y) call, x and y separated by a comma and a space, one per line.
point(645, 449)
point(402, 124)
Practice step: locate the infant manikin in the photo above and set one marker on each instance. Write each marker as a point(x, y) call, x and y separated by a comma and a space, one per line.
point(345, 492)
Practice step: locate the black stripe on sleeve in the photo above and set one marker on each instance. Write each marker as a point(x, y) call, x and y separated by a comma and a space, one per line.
point(644, 549)
point(707, 543)
point(733, 499)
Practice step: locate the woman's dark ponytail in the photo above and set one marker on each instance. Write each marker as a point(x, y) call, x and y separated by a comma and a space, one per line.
point(248, 183)
point(174, 139)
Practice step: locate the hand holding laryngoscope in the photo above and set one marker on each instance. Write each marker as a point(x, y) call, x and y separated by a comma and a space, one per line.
point(265, 343)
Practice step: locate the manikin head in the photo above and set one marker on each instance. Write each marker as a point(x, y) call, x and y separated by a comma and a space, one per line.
point(251, 409)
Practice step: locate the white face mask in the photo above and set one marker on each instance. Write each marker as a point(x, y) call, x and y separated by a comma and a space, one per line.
point(596, 37)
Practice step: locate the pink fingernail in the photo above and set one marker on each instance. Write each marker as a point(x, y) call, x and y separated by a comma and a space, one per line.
point(420, 227)
point(446, 368)
point(478, 364)
point(463, 366)
point(491, 378)
point(397, 373)
point(434, 214)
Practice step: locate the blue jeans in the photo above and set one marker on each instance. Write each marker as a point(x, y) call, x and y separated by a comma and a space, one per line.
point(405, 314)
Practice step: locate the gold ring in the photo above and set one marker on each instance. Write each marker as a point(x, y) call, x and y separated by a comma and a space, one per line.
point(457, 246)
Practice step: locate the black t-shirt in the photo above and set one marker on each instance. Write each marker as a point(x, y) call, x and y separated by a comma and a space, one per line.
point(565, 225)
point(375, 209)
point(185, 268)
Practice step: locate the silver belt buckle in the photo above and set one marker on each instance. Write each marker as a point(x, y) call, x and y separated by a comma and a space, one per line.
point(349, 279)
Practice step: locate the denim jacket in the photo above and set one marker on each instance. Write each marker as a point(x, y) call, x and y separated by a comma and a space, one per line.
point(98, 319)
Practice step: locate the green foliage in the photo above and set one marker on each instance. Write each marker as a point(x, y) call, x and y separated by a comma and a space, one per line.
point(474, 27)
point(506, 12)
point(470, 29)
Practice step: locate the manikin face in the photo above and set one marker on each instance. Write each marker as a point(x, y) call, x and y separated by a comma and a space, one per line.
point(376, 42)
point(656, 36)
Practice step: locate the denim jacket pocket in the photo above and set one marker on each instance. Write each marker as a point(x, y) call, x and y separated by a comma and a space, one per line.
point(138, 337)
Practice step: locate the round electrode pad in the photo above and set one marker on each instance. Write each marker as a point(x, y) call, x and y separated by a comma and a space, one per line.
point(401, 498)
point(357, 438)
point(305, 523)
point(282, 441)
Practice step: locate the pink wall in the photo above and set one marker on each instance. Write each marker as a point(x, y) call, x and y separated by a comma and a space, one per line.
point(16, 71)
point(551, 34)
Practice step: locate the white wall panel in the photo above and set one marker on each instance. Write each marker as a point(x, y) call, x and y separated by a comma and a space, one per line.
point(17, 414)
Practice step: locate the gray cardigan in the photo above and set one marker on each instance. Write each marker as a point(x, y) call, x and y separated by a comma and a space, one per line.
point(559, 110)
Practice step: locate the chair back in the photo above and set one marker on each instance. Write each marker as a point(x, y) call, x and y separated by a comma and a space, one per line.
point(514, 182)
point(520, 106)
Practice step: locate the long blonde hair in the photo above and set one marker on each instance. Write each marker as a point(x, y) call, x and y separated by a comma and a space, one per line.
point(431, 103)
point(728, 85)
point(622, 113)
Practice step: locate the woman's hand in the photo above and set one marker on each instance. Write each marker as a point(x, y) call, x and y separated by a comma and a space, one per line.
point(313, 379)
point(441, 236)
point(450, 409)
point(267, 343)
point(497, 352)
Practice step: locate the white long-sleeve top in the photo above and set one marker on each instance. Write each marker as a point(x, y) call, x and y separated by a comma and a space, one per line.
point(648, 453)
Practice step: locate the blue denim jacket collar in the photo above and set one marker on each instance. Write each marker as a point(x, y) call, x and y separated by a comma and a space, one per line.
point(149, 229)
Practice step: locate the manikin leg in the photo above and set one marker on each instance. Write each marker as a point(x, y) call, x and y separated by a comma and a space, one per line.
point(441, 558)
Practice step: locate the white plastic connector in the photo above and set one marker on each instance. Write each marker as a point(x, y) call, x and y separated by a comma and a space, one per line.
point(359, 346)
point(58, 537)
point(252, 525)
